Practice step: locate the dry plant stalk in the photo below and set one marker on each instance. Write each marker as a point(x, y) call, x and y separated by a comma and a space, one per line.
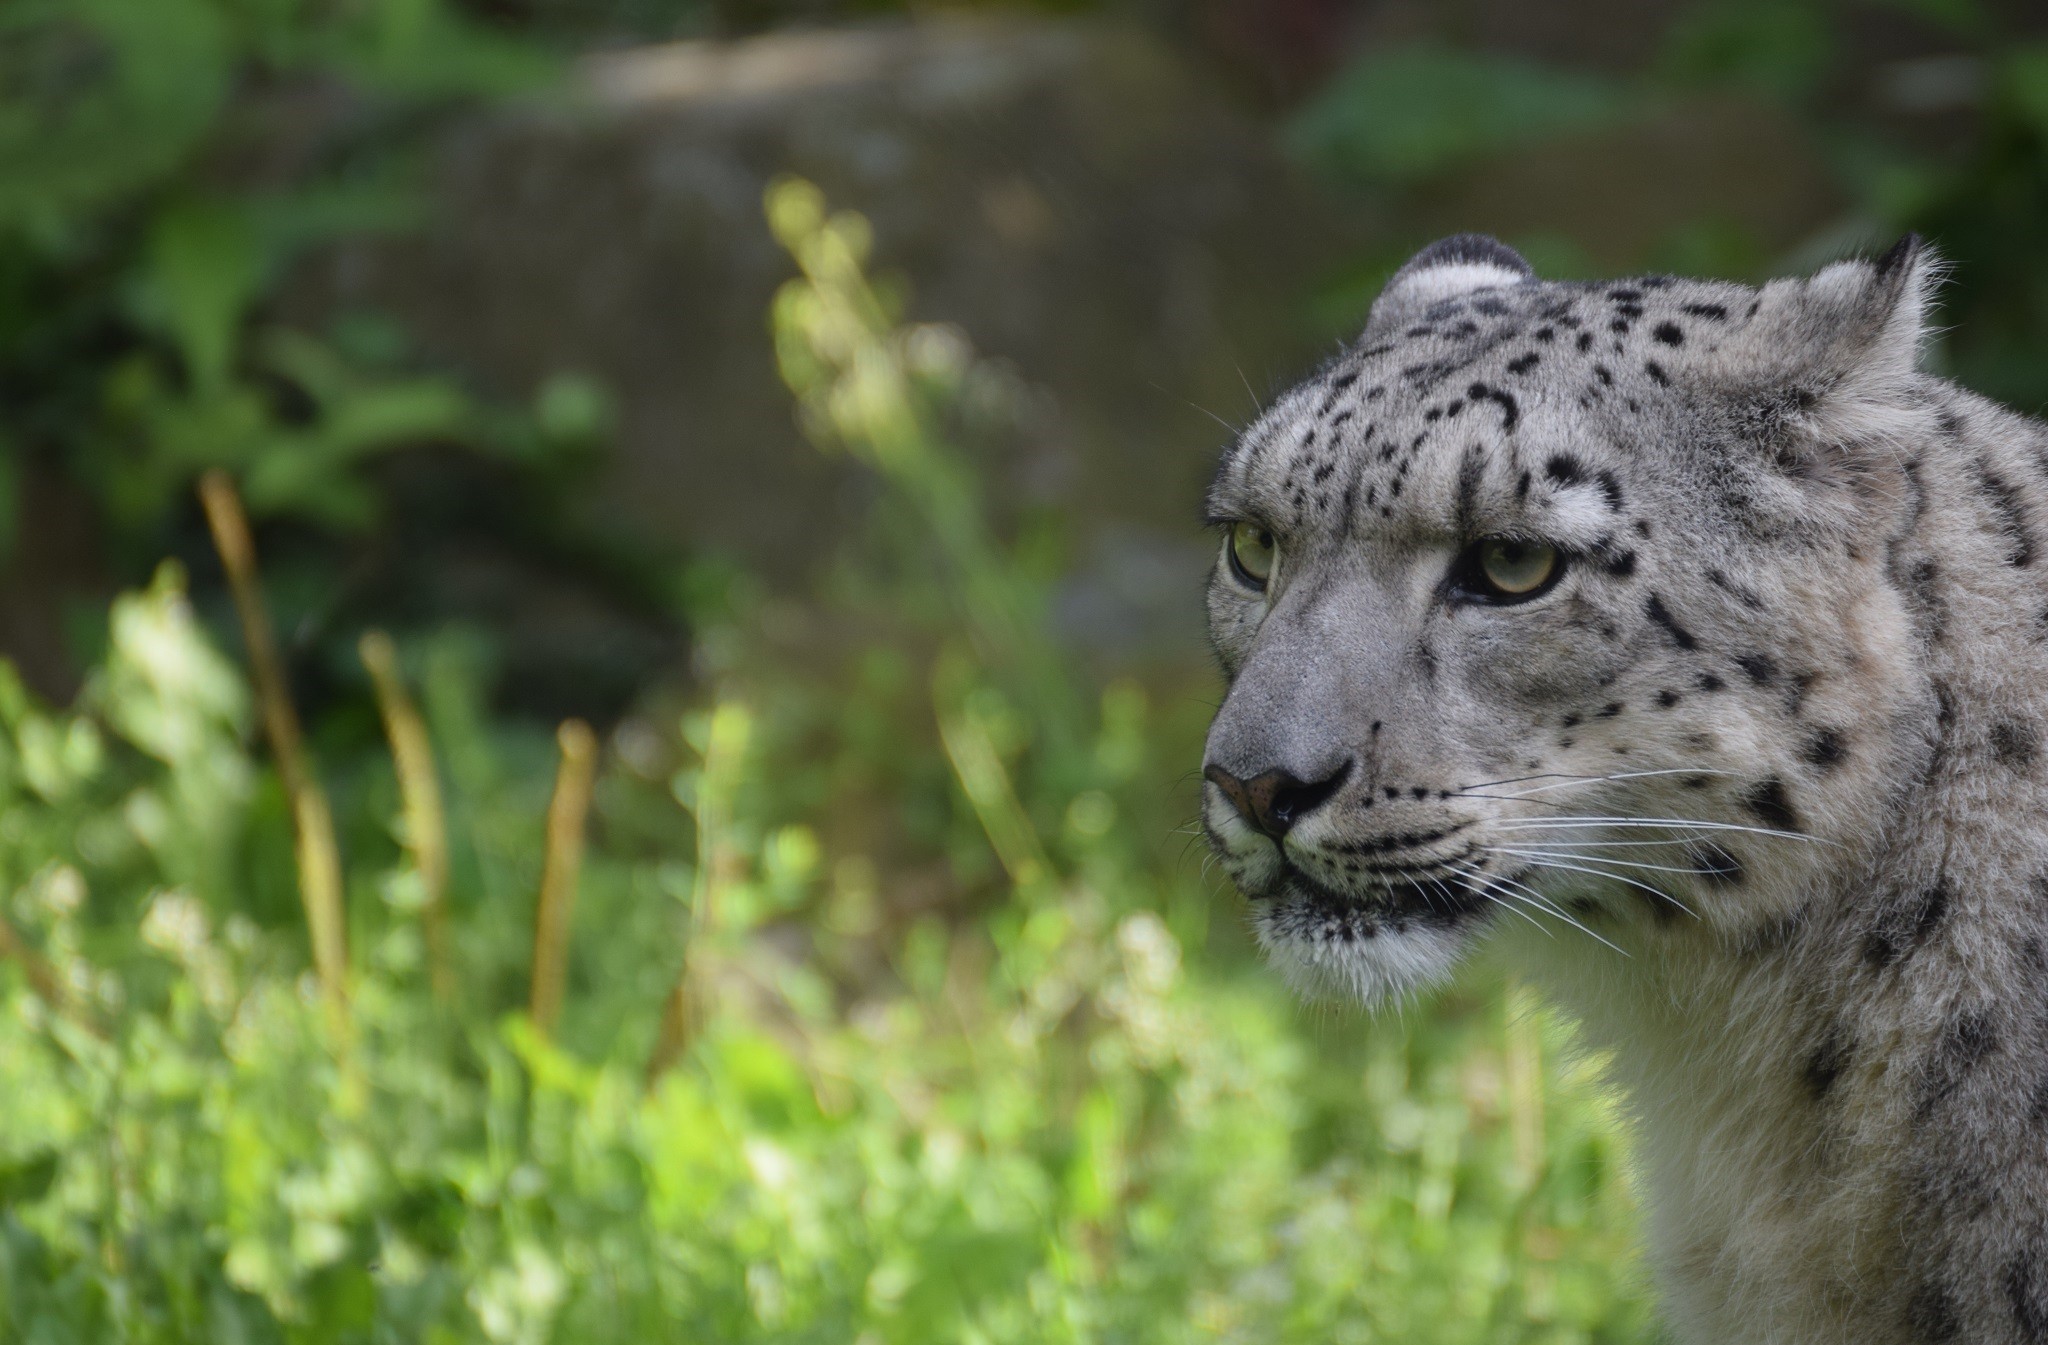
point(419, 793)
point(43, 978)
point(319, 859)
point(566, 814)
point(725, 751)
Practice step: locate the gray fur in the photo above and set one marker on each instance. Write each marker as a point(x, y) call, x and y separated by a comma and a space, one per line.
point(1804, 625)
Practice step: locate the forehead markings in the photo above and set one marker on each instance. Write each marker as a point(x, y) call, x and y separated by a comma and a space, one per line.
point(1310, 476)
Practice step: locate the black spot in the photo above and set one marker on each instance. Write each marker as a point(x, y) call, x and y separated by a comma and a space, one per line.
point(1643, 526)
point(2023, 1292)
point(1670, 333)
point(1735, 590)
point(1611, 488)
point(1565, 470)
point(1824, 749)
point(1435, 413)
point(1585, 341)
point(2012, 515)
point(1618, 325)
point(1604, 374)
point(1713, 863)
point(1964, 1044)
point(1611, 709)
point(1620, 564)
point(1714, 311)
point(2015, 744)
point(1709, 682)
point(1570, 721)
point(1826, 1063)
point(1524, 363)
point(1424, 330)
point(1902, 927)
point(1667, 698)
point(1418, 792)
point(1623, 294)
point(1661, 614)
point(1931, 1315)
point(1545, 333)
point(1760, 668)
point(1522, 485)
point(1768, 802)
point(1656, 373)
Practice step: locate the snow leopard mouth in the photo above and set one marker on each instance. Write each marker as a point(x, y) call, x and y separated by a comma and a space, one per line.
point(1432, 896)
point(1371, 945)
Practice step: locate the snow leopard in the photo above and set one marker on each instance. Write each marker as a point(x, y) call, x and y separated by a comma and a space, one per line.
point(1683, 643)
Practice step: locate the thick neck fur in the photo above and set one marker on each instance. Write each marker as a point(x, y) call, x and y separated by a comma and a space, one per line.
point(1841, 1108)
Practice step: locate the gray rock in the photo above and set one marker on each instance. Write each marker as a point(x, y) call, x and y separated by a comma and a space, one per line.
point(1069, 194)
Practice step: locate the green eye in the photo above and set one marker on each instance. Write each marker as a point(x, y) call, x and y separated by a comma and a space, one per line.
point(1253, 553)
point(1510, 569)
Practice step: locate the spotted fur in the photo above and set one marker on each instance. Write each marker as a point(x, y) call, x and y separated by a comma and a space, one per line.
point(1765, 765)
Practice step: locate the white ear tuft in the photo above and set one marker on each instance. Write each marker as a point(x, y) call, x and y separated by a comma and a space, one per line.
point(1446, 269)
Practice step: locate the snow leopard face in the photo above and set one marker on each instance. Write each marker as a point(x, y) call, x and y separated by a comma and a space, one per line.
point(1564, 605)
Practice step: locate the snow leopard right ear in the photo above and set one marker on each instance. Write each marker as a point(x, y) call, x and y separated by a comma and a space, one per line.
point(1446, 269)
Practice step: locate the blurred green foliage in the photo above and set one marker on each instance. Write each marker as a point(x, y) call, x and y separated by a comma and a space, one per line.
point(161, 164)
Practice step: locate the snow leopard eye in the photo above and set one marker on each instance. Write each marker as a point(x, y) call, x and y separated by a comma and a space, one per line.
point(1506, 570)
point(1253, 553)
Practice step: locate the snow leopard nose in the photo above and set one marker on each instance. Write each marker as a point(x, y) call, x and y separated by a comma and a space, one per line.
point(1273, 801)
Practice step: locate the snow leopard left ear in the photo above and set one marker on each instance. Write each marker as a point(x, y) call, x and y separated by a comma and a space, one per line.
point(1446, 269)
point(1843, 345)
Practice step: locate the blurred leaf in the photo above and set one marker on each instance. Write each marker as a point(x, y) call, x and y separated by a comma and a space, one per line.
point(201, 269)
point(27, 1180)
point(1780, 48)
point(1397, 116)
point(102, 97)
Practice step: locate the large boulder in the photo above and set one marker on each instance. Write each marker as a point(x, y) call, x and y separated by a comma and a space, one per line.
point(1069, 194)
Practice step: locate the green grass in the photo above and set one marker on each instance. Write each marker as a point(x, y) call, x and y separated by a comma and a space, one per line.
point(895, 1011)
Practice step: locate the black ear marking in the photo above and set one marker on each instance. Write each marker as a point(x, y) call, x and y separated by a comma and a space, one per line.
point(1469, 249)
point(1899, 254)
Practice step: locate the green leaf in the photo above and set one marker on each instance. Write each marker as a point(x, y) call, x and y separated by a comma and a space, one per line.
point(1783, 48)
point(1403, 115)
point(202, 267)
point(101, 98)
point(27, 1180)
